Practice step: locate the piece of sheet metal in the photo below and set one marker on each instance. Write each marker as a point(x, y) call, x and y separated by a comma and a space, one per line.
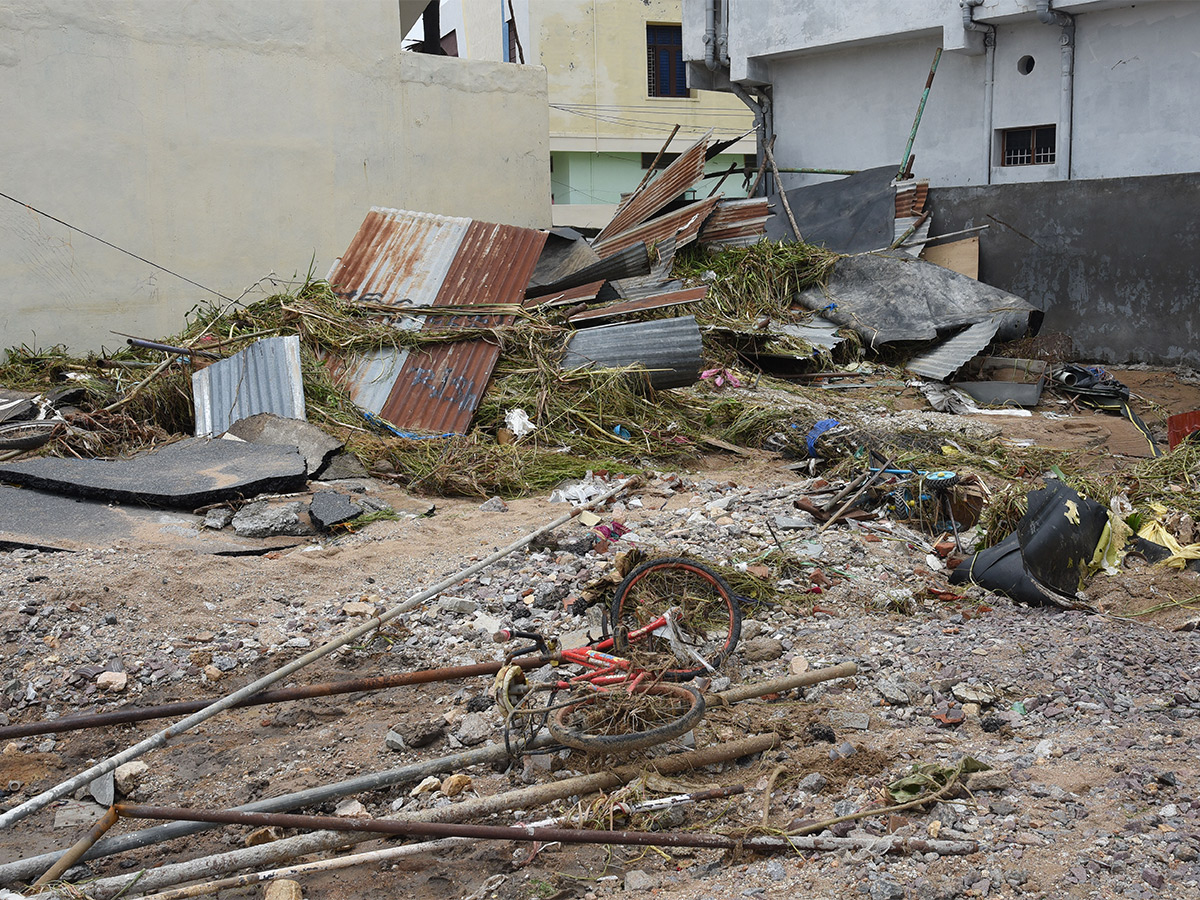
point(676, 178)
point(439, 387)
point(682, 224)
point(400, 259)
point(565, 253)
point(265, 377)
point(585, 293)
point(947, 358)
point(631, 261)
point(850, 215)
point(628, 307)
point(670, 349)
point(736, 223)
point(910, 198)
point(657, 282)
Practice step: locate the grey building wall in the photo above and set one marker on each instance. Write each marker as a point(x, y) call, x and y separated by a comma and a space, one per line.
point(231, 139)
point(1112, 262)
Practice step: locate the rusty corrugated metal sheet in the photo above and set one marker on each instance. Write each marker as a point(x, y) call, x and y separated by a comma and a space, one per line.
point(585, 293)
point(910, 199)
point(626, 307)
point(683, 225)
point(439, 387)
point(670, 183)
point(736, 223)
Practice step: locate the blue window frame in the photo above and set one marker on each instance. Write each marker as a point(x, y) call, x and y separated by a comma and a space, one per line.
point(665, 72)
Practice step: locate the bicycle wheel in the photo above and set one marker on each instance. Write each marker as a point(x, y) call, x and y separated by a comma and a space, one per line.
point(615, 720)
point(694, 642)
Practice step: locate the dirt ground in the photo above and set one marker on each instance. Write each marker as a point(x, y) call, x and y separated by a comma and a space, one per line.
point(1116, 767)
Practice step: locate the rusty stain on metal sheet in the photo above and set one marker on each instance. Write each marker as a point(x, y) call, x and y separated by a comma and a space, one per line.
point(673, 181)
point(585, 293)
point(439, 388)
point(404, 259)
point(683, 225)
point(736, 223)
point(624, 308)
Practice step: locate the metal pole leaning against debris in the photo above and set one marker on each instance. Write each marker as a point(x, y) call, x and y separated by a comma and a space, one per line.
point(470, 810)
point(80, 847)
point(787, 207)
point(162, 737)
point(912, 137)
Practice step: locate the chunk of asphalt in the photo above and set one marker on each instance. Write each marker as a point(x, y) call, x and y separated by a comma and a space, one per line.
point(329, 508)
point(314, 445)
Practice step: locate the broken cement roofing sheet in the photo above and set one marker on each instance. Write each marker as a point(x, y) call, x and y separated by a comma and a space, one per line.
point(855, 214)
point(408, 259)
point(887, 298)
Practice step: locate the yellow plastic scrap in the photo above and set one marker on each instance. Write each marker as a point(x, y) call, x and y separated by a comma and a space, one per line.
point(1111, 547)
point(1156, 532)
point(1072, 512)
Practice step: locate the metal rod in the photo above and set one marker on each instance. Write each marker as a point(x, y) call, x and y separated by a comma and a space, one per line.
point(80, 847)
point(787, 207)
point(24, 869)
point(329, 689)
point(779, 685)
point(470, 810)
point(653, 166)
point(912, 137)
point(155, 741)
point(167, 348)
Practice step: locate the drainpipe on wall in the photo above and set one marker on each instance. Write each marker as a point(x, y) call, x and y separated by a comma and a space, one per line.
point(723, 34)
point(710, 34)
point(1063, 135)
point(989, 84)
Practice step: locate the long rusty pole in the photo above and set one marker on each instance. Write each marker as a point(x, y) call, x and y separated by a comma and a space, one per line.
point(510, 832)
point(44, 799)
point(80, 847)
point(306, 692)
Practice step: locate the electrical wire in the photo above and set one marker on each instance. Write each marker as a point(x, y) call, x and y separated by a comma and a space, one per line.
point(114, 246)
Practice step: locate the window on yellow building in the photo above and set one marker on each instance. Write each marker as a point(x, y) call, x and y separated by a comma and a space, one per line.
point(665, 72)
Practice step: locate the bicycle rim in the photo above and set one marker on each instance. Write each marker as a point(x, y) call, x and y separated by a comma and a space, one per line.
point(704, 634)
point(613, 721)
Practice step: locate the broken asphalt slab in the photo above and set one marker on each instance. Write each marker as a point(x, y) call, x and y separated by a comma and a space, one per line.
point(317, 447)
point(186, 475)
point(329, 508)
point(49, 522)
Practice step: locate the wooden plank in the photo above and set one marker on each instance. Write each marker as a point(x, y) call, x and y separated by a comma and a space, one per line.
point(958, 256)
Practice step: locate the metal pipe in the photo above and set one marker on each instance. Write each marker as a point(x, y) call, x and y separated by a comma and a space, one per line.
point(723, 36)
point(1063, 136)
point(989, 66)
point(155, 741)
point(80, 847)
point(24, 869)
point(912, 137)
point(470, 810)
point(330, 689)
point(167, 348)
point(503, 832)
point(779, 685)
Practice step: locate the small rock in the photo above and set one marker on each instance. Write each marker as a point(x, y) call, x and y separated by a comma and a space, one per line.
point(892, 692)
point(113, 682)
point(358, 608)
point(1152, 878)
point(991, 780)
point(212, 673)
point(456, 784)
point(840, 718)
point(762, 649)
point(638, 880)
point(128, 776)
point(284, 889)
point(394, 740)
point(218, 518)
point(261, 519)
point(460, 605)
point(494, 505)
point(330, 508)
point(429, 783)
point(264, 835)
point(351, 809)
point(798, 665)
point(423, 735)
point(813, 783)
point(474, 729)
point(842, 750)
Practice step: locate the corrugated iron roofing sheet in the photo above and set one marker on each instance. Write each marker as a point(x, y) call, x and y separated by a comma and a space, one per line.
point(673, 181)
point(670, 349)
point(736, 223)
point(402, 258)
point(439, 387)
point(683, 225)
point(947, 358)
point(626, 307)
point(910, 198)
point(585, 293)
point(632, 260)
point(265, 377)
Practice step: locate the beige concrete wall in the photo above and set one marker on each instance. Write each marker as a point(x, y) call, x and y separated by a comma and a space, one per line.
point(229, 140)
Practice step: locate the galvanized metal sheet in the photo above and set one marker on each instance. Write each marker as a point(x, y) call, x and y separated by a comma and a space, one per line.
point(265, 377)
point(585, 293)
point(947, 358)
point(628, 307)
point(676, 178)
point(629, 262)
point(669, 348)
point(736, 223)
point(439, 388)
point(683, 225)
